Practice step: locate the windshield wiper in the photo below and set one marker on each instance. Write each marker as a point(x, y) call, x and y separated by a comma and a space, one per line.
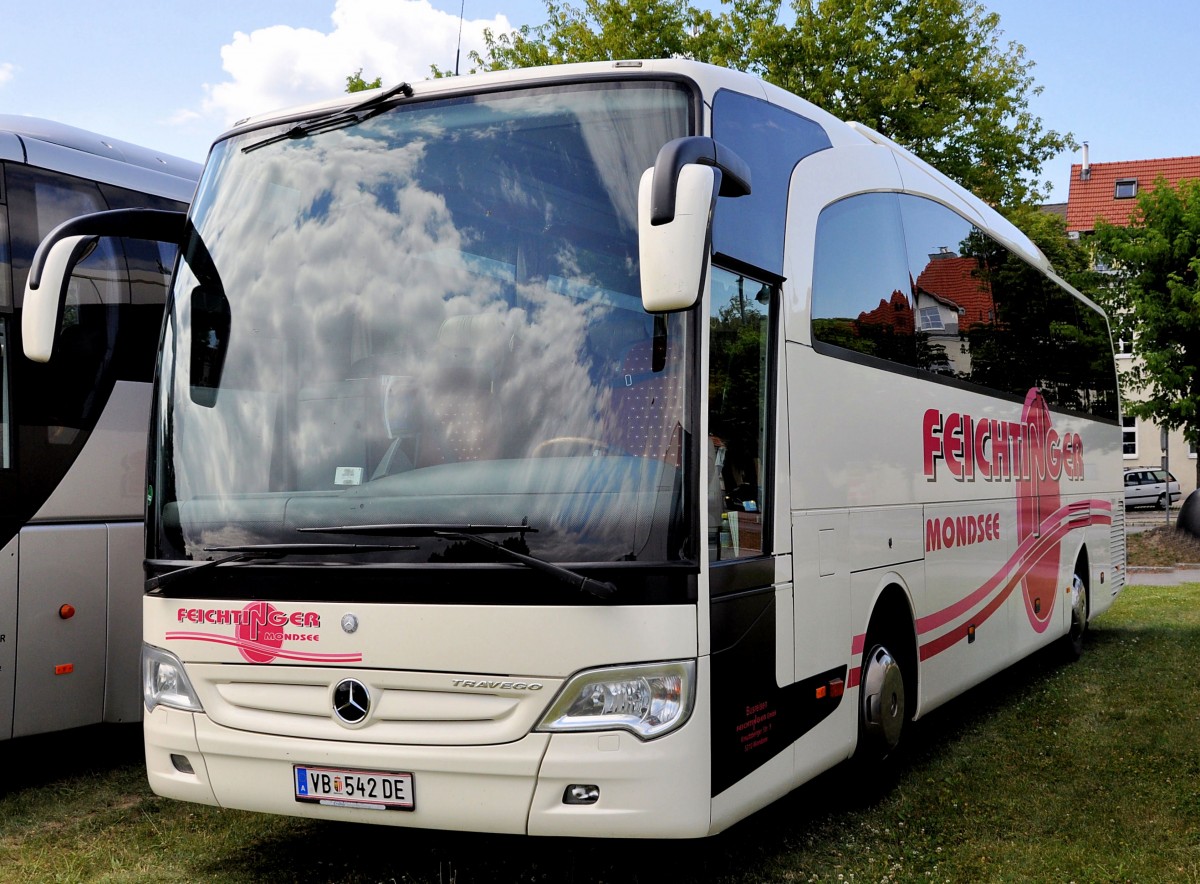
point(471, 533)
point(269, 551)
point(341, 119)
point(422, 529)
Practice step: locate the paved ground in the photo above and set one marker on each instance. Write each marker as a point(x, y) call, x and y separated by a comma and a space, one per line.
point(1143, 520)
point(1161, 576)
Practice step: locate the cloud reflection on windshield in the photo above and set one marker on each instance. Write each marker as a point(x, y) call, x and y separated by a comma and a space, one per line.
point(453, 298)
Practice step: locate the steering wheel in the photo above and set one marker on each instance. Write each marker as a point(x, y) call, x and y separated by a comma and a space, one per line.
point(568, 442)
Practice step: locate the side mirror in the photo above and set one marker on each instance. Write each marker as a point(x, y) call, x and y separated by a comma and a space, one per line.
point(211, 321)
point(41, 314)
point(676, 199)
point(64, 247)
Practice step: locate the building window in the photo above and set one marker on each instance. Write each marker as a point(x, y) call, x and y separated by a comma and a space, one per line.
point(1123, 348)
point(1129, 446)
point(1126, 189)
point(931, 319)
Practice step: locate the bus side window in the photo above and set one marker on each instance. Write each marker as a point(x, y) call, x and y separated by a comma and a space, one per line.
point(739, 327)
point(64, 395)
point(862, 294)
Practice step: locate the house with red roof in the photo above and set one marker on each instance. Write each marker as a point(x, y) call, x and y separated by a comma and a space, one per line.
point(953, 281)
point(1109, 191)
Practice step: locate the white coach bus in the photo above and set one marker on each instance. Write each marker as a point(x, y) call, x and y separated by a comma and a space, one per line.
point(600, 450)
point(72, 431)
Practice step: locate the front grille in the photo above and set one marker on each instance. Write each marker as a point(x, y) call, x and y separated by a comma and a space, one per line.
point(410, 708)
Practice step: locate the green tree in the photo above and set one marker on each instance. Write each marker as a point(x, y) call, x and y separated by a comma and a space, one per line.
point(1071, 258)
point(1155, 302)
point(356, 83)
point(601, 30)
point(934, 75)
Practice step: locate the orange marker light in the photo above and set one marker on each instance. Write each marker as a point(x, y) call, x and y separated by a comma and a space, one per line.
point(64, 668)
point(66, 611)
point(821, 692)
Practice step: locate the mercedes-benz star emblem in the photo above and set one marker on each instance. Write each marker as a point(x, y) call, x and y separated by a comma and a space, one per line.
point(349, 623)
point(351, 700)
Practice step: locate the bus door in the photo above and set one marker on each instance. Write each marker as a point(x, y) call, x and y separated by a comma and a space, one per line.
point(753, 717)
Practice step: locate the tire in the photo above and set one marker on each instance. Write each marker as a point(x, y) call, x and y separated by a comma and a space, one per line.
point(883, 709)
point(1080, 609)
point(1161, 502)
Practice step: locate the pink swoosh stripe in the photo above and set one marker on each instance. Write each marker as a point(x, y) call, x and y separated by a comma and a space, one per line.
point(1018, 559)
point(1027, 555)
point(937, 645)
point(259, 648)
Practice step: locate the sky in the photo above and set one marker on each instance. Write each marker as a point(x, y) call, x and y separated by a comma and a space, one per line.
point(173, 76)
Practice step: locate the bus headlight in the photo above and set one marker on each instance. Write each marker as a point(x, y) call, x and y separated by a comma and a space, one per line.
point(164, 682)
point(648, 700)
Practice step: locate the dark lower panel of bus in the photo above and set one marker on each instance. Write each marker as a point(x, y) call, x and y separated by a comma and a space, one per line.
point(753, 718)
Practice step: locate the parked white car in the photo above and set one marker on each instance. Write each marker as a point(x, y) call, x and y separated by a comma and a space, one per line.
point(1147, 486)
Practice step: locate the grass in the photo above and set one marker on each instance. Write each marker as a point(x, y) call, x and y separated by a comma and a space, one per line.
point(1082, 772)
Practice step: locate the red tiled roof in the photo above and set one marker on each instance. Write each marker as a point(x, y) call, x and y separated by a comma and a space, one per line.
point(898, 313)
point(953, 281)
point(1095, 198)
point(957, 280)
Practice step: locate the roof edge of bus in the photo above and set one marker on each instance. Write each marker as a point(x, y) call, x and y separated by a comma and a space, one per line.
point(999, 226)
point(85, 141)
point(548, 73)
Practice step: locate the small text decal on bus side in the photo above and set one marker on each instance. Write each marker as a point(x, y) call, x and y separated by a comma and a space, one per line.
point(961, 531)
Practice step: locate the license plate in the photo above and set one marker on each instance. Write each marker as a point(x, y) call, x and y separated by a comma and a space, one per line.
point(365, 789)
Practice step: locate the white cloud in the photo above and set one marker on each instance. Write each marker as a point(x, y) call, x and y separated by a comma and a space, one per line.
point(7, 70)
point(281, 66)
point(183, 117)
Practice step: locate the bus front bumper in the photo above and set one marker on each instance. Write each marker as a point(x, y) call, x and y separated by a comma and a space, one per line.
point(651, 789)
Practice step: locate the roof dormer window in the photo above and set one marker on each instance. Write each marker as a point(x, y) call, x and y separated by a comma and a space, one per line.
point(1126, 189)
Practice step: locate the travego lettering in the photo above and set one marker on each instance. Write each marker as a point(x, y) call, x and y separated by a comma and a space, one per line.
point(497, 685)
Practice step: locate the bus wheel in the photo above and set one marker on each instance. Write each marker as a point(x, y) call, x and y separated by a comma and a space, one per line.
point(1079, 617)
point(882, 710)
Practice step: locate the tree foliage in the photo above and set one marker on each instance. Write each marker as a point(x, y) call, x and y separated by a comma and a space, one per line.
point(1072, 259)
point(602, 30)
point(356, 83)
point(935, 75)
point(1156, 303)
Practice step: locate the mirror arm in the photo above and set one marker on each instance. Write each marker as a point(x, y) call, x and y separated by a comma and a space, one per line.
point(153, 224)
point(734, 173)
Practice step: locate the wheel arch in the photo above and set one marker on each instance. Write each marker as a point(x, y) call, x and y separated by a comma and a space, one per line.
point(1081, 564)
point(892, 621)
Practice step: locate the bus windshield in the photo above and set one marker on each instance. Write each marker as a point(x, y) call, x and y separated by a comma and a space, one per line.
point(431, 317)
